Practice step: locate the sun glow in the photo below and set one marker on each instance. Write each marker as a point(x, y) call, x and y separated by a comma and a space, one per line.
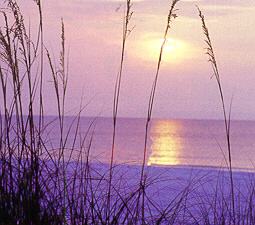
point(174, 50)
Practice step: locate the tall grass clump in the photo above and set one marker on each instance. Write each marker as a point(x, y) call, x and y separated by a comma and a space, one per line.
point(21, 184)
point(34, 185)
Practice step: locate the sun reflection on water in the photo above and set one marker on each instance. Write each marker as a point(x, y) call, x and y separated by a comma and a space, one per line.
point(166, 148)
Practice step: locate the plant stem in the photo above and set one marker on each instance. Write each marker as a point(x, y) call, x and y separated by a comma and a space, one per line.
point(216, 74)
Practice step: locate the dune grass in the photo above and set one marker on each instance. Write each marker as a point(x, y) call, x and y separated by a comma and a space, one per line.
point(46, 181)
point(126, 32)
point(212, 60)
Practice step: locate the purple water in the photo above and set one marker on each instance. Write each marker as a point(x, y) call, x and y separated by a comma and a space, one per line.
point(170, 141)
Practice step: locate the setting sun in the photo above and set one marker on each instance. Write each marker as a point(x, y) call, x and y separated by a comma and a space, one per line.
point(175, 51)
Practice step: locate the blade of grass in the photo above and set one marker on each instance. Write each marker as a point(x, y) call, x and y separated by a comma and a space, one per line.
point(171, 15)
point(212, 60)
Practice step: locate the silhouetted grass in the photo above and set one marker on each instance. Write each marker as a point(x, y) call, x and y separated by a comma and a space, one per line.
point(126, 32)
point(171, 15)
point(47, 181)
point(212, 60)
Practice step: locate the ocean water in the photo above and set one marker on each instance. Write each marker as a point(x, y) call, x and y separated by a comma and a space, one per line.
point(171, 142)
point(181, 157)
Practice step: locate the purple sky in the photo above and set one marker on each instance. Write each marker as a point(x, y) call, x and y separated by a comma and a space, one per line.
point(94, 37)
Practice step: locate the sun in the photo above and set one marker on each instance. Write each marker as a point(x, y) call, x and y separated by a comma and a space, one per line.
point(174, 52)
point(172, 45)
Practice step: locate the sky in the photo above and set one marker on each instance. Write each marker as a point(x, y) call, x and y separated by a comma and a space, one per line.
point(185, 88)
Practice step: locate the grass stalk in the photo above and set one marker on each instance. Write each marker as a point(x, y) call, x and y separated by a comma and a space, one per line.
point(60, 78)
point(171, 15)
point(216, 74)
point(126, 32)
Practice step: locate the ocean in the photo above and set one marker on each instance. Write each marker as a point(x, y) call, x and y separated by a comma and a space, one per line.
point(171, 142)
point(185, 173)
